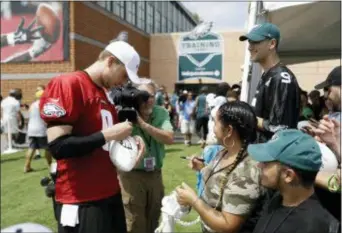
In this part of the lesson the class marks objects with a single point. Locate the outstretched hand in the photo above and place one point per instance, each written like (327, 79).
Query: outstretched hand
(27, 35)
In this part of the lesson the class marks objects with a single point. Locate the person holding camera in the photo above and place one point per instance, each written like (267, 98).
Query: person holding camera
(142, 188)
(80, 124)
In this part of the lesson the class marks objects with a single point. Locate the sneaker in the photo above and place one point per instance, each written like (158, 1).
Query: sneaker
(28, 170)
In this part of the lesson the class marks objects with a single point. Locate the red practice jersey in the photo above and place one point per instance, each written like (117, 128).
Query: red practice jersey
(73, 99)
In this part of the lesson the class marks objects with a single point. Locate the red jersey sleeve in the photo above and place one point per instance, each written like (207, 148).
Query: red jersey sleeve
(62, 101)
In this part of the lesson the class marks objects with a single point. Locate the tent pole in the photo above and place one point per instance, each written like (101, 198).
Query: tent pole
(247, 64)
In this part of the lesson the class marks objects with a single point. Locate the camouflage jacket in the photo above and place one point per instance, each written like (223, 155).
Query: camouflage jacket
(241, 192)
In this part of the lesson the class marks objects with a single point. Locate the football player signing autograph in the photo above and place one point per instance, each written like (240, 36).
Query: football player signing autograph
(81, 121)
(277, 98)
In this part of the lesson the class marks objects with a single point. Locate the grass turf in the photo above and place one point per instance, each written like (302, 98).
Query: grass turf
(24, 200)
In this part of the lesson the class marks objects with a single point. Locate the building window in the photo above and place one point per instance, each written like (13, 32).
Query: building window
(149, 20)
(157, 21)
(174, 17)
(180, 21)
(105, 5)
(130, 12)
(185, 22)
(101, 4)
(169, 26)
(164, 8)
(158, 6)
(170, 8)
(141, 15)
(164, 24)
(118, 8)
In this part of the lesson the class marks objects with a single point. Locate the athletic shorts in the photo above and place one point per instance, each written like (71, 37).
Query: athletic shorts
(187, 127)
(102, 216)
(38, 142)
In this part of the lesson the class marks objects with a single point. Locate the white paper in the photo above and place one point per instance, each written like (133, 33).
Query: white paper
(69, 215)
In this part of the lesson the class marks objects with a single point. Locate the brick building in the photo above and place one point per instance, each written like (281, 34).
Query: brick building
(91, 25)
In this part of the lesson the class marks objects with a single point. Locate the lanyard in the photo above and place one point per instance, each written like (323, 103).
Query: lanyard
(148, 142)
(213, 172)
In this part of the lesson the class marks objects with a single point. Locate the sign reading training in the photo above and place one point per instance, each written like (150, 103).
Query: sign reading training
(200, 54)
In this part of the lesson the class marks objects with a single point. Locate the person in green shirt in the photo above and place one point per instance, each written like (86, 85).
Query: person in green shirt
(142, 188)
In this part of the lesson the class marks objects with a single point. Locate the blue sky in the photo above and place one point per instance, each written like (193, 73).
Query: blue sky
(225, 15)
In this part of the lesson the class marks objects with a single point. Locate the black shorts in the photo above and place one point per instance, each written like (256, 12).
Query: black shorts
(102, 216)
(38, 142)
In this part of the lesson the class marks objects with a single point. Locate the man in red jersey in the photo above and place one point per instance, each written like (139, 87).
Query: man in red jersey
(81, 121)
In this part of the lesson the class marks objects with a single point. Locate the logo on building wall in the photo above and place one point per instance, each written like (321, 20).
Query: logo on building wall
(200, 54)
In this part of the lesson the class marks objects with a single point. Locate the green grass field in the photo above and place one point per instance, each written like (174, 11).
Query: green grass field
(24, 200)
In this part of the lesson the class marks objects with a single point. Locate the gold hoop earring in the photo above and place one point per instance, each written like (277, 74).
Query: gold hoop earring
(229, 146)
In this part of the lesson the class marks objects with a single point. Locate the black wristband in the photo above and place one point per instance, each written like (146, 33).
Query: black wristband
(69, 146)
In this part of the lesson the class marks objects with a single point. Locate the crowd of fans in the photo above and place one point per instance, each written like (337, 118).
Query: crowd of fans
(269, 166)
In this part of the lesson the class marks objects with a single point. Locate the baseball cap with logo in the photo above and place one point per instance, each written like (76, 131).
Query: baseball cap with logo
(290, 147)
(129, 57)
(262, 32)
(333, 79)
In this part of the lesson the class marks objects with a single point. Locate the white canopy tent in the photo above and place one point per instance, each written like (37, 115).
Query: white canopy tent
(310, 31)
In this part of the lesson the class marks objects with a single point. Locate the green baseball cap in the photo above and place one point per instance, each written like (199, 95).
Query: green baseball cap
(290, 147)
(262, 32)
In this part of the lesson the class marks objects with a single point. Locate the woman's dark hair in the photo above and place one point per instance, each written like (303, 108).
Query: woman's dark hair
(305, 93)
(314, 95)
(242, 118)
(222, 89)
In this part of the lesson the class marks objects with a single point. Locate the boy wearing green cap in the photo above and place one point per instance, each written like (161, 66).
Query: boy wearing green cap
(277, 97)
(289, 163)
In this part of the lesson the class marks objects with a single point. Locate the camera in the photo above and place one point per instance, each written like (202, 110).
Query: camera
(49, 182)
(127, 100)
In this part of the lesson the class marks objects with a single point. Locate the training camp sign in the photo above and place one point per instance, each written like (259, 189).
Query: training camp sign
(200, 54)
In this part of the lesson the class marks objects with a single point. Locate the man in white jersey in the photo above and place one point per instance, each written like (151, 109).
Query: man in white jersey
(10, 114)
(36, 131)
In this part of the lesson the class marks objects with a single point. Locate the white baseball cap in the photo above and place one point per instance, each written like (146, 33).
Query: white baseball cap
(129, 57)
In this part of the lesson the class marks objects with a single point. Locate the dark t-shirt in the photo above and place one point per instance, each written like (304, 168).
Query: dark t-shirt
(330, 201)
(308, 217)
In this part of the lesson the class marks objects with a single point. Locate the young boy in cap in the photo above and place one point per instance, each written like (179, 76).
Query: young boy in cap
(289, 164)
(277, 97)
